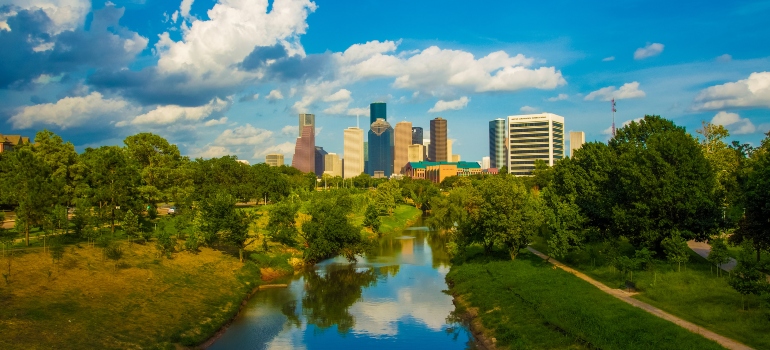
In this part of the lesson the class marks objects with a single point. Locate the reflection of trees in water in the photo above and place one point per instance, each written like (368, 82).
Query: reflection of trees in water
(328, 297)
(437, 244)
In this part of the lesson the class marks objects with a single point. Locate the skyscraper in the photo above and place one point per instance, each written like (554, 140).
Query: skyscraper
(416, 153)
(274, 159)
(576, 140)
(332, 164)
(497, 154)
(354, 152)
(416, 135)
(403, 139)
(449, 154)
(320, 159)
(377, 110)
(381, 148)
(437, 149)
(485, 163)
(304, 150)
(532, 137)
(366, 157)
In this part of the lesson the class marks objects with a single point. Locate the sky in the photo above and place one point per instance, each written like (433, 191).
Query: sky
(228, 77)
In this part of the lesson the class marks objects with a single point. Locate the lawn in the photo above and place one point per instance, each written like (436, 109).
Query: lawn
(527, 303)
(695, 294)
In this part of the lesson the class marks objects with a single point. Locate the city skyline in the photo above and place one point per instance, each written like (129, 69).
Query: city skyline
(99, 71)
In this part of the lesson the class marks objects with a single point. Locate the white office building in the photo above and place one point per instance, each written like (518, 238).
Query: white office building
(532, 137)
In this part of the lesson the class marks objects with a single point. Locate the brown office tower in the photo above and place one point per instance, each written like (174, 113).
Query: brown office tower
(403, 140)
(304, 151)
(437, 148)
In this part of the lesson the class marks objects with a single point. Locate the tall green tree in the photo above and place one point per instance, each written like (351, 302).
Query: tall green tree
(113, 180)
(329, 232)
(753, 226)
(158, 163)
(62, 159)
(282, 224)
(26, 184)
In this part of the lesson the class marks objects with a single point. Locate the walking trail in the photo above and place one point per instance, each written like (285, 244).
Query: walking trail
(625, 296)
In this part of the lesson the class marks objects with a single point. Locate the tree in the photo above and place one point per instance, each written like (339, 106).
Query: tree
(660, 184)
(724, 161)
(566, 224)
(719, 254)
(542, 175)
(114, 252)
(753, 226)
(329, 232)
(747, 278)
(221, 221)
(676, 249)
(26, 183)
(62, 159)
(282, 225)
(372, 219)
(113, 181)
(158, 162)
(387, 195)
(131, 224)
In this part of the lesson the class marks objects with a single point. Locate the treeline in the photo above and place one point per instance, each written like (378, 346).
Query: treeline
(653, 185)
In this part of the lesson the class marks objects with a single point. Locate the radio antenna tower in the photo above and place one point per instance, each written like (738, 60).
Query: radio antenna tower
(613, 117)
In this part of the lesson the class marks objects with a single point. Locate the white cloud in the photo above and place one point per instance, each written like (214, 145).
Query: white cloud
(246, 135)
(442, 105)
(751, 92)
(64, 14)
(734, 123)
(528, 109)
(650, 50)
(71, 111)
(362, 111)
(608, 130)
(337, 108)
(724, 58)
(213, 152)
(164, 115)
(435, 69)
(213, 122)
(184, 9)
(286, 148)
(628, 90)
(274, 95)
(210, 50)
(608, 59)
(560, 97)
(292, 130)
(341, 95)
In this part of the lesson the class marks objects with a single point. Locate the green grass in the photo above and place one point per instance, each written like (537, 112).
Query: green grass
(402, 216)
(527, 304)
(695, 294)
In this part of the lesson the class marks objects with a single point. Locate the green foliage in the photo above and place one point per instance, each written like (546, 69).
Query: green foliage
(372, 218)
(164, 244)
(676, 249)
(565, 223)
(387, 195)
(56, 248)
(755, 184)
(719, 254)
(747, 278)
(329, 232)
(282, 225)
(131, 224)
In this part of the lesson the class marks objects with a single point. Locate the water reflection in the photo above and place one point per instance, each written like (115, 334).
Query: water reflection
(392, 298)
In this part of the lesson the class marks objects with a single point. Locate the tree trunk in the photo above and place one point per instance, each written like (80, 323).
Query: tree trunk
(759, 251)
(26, 231)
(240, 253)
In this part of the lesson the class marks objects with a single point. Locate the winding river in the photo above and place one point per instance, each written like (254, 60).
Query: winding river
(392, 299)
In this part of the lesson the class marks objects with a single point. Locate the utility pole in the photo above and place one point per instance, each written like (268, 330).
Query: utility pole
(613, 117)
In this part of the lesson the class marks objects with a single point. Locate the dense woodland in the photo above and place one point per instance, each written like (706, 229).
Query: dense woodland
(653, 186)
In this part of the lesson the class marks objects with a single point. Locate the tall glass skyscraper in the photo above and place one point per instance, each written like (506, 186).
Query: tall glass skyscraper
(497, 154)
(304, 151)
(377, 110)
(416, 135)
(381, 148)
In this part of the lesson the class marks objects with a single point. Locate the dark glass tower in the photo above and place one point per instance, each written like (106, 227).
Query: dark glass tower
(377, 110)
(320, 154)
(497, 154)
(416, 135)
(381, 148)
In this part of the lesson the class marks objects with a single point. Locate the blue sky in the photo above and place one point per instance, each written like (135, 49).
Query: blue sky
(229, 76)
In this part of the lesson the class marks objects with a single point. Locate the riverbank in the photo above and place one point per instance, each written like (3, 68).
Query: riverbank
(527, 304)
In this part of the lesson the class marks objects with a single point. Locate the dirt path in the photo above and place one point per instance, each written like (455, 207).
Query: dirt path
(625, 296)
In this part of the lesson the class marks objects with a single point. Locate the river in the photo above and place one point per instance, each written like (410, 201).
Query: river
(392, 299)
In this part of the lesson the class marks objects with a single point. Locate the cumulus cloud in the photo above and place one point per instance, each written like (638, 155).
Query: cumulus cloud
(650, 50)
(608, 59)
(608, 130)
(359, 111)
(213, 122)
(341, 95)
(435, 69)
(628, 90)
(243, 135)
(442, 105)
(292, 130)
(560, 97)
(168, 114)
(249, 97)
(71, 111)
(734, 123)
(274, 95)
(286, 148)
(63, 14)
(751, 92)
(184, 9)
(528, 109)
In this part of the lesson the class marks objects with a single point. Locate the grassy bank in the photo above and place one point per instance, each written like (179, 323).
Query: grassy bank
(527, 303)
(403, 216)
(85, 302)
(695, 294)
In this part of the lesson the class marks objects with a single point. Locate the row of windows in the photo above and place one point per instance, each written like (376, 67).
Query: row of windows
(520, 125)
(534, 146)
(529, 129)
(533, 151)
(518, 136)
(520, 141)
(532, 157)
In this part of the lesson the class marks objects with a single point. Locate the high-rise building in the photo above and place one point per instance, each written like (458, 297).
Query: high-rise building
(320, 159)
(576, 140)
(449, 144)
(426, 144)
(332, 164)
(416, 153)
(497, 153)
(437, 148)
(532, 137)
(366, 157)
(377, 110)
(381, 148)
(274, 159)
(304, 151)
(402, 140)
(455, 158)
(417, 135)
(485, 163)
(354, 152)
